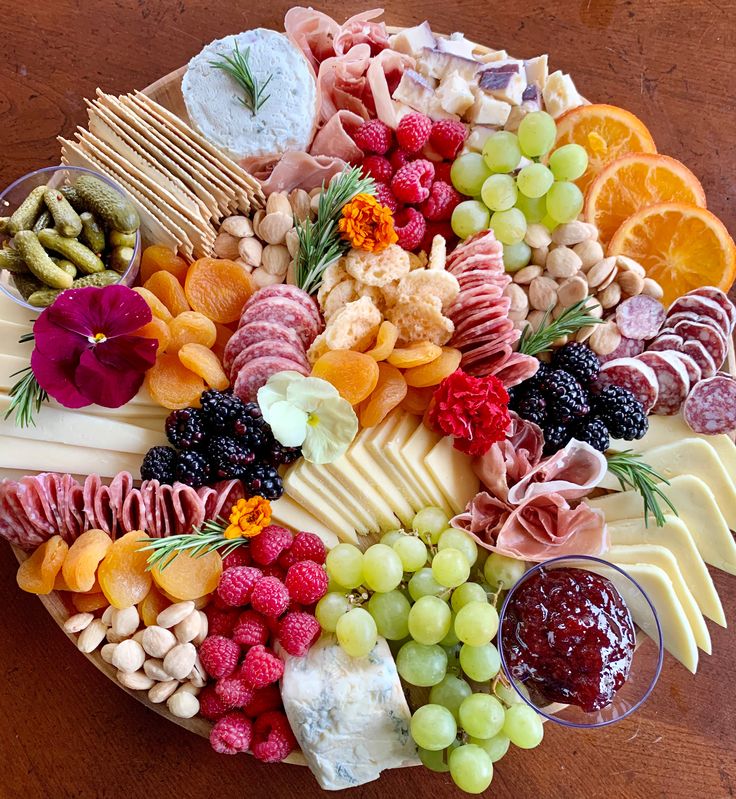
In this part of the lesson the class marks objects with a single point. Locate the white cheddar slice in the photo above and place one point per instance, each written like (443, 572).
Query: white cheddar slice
(287, 513)
(377, 445)
(399, 436)
(333, 496)
(9, 364)
(12, 312)
(675, 536)
(453, 473)
(416, 449)
(12, 346)
(363, 492)
(295, 487)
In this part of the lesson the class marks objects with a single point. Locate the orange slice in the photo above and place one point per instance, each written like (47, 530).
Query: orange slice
(681, 246)
(637, 181)
(607, 132)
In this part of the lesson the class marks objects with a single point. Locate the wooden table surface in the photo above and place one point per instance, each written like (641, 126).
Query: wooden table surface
(68, 732)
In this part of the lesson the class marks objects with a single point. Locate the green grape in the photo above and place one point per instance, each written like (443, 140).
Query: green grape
(537, 133)
(433, 727)
(499, 192)
(382, 569)
(356, 632)
(468, 173)
(467, 592)
(534, 180)
(429, 524)
(450, 693)
(469, 218)
(451, 640)
(329, 609)
(470, 768)
(411, 551)
(436, 761)
(564, 201)
(481, 715)
(533, 208)
(503, 572)
(523, 726)
(509, 226)
(345, 565)
(568, 162)
(390, 611)
(476, 623)
(429, 620)
(423, 584)
(548, 222)
(495, 747)
(460, 540)
(516, 256)
(421, 665)
(334, 587)
(391, 537)
(501, 152)
(450, 568)
(480, 663)
(508, 695)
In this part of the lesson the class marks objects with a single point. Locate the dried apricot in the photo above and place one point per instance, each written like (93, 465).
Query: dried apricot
(417, 400)
(385, 342)
(172, 385)
(89, 602)
(151, 605)
(158, 258)
(224, 334)
(417, 354)
(353, 374)
(206, 364)
(218, 288)
(37, 574)
(191, 327)
(122, 573)
(158, 309)
(83, 558)
(200, 602)
(169, 290)
(157, 329)
(185, 577)
(388, 393)
(60, 583)
(435, 372)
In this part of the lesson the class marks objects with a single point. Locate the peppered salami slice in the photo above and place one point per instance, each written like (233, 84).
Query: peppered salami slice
(627, 348)
(710, 408)
(702, 357)
(634, 375)
(290, 292)
(265, 348)
(673, 382)
(284, 311)
(255, 374)
(718, 296)
(688, 316)
(640, 317)
(711, 338)
(253, 333)
(694, 372)
(666, 341)
(702, 308)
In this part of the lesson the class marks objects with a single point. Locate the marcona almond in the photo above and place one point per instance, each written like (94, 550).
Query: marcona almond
(274, 227)
(535, 319)
(613, 274)
(248, 267)
(517, 295)
(291, 274)
(106, 617)
(630, 282)
(125, 621)
(539, 255)
(605, 338)
(183, 705)
(573, 290)
(278, 203)
(275, 259)
(651, 288)
(623, 262)
(574, 232)
(162, 691)
(157, 641)
(198, 676)
(171, 616)
(114, 638)
(589, 252)
(136, 681)
(226, 246)
(542, 293)
(128, 656)
(562, 262)
(525, 275)
(263, 278)
(139, 636)
(154, 668)
(91, 636)
(585, 333)
(300, 204)
(258, 217)
(610, 296)
(179, 660)
(238, 226)
(601, 271)
(187, 629)
(106, 652)
(594, 309)
(537, 236)
(190, 688)
(251, 251)
(77, 622)
(203, 628)
(292, 242)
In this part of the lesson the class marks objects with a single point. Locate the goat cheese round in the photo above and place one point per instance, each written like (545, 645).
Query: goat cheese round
(285, 121)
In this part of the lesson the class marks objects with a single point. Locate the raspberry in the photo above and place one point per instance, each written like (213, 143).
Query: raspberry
(297, 632)
(236, 585)
(234, 692)
(399, 158)
(447, 137)
(269, 544)
(270, 597)
(275, 570)
(374, 136)
(378, 167)
(440, 204)
(219, 656)
(442, 171)
(306, 546)
(231, 734)
(261, 667)
(413, 132)
(306, 582)
(251, 629)
(238, 557)
(412, 182)
(264, 699)
(410, 227)
(273, 739)
(221, 622)
(210, 704)
(385, 196)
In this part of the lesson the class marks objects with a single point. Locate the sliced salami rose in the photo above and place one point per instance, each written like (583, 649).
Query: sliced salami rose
(718, 296)
(700, 307)
(702, 357)
(712, 339)
(627, 348)
(673, 382)
(710, 408)
(666, 341)
(693, 370)
(255, 373)
(634, 375)
(264, 348)
(640, 317)
(253, 333)
(283, 311)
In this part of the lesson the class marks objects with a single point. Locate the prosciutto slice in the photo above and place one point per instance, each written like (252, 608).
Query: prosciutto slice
(313, 32)
(297, 170)
(335, 139)
(384, 74)
(360, 30)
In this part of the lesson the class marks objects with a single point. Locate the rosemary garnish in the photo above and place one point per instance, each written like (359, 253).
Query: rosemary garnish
(26, 396)
(238, 67)
(568, 322)
(634, 473)
(210, 537)
(320, 242)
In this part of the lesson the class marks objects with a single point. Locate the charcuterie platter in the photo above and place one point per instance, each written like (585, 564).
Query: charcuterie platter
(368, 399)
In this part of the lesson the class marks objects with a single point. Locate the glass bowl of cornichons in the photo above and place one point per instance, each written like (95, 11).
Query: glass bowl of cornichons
(65, 227)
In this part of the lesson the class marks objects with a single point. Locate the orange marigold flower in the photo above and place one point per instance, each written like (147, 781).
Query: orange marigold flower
(248, 517)
(367, 224)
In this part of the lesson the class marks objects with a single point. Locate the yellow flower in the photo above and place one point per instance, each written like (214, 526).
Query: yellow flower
(248, 517)
(367, 224)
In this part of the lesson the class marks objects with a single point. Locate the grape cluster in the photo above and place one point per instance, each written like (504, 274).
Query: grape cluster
(422, 597)
(515, 188)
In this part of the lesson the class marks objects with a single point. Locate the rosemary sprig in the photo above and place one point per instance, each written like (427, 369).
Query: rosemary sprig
(320, 242)
(634, 473)
(237, 66)
(26, 396)
(567, 323)
(210, 537)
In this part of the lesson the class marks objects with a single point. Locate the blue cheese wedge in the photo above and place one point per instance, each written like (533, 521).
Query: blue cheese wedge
(286, 121)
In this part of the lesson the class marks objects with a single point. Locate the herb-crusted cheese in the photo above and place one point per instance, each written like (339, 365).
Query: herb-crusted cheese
(286, 121)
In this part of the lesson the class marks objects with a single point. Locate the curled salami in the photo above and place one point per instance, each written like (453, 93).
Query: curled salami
(712, 339)
(673, 382)
(255, 373)
(666, 341)
(634, 375)
(640, 317)
(719, 297)
(697, 307)
(627, 348)
(254, 333)
(710, 408)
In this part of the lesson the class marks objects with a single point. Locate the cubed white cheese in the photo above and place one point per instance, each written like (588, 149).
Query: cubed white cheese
(416, 90)
(536, 70)
(437, 64)
(477, 137)
(505, 80)
(413, 40)
(560, 94)
(487, 110)
(457, 44)
(493, 55)
(454, 94)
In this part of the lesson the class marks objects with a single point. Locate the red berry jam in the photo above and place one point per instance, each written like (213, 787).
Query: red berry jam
(568, 634)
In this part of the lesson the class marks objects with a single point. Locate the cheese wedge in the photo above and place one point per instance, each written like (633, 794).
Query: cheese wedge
(697, 508)
(453, 473)
(398, 438)
(377, 443)
(315, 504)
(416, 449)
(287, 513)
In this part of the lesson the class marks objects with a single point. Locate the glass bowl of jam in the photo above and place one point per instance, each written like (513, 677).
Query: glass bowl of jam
(580, 641)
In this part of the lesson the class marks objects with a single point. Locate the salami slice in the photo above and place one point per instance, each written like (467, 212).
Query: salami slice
(713, 340)
(290, 292)
(627, 348)
(286, 312)
(517, 368)
(710, 408)
(666, 341)
(640, 317)
(673, 382)
(634, 375)
(702, 357)
(265, 348)
(718, 296)
(693, 370)
(688, 316)
(255, 373)
(701, 307)
(254, 332)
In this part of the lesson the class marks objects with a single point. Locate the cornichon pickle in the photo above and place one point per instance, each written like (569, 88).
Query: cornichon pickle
(29, 246)
(92, 233)
(73, 198)
(118, 239)
(117, 211)
(44, 297)
(4, 224)
(44, 220)
(27, 212)
(82, 257)
(12, 260)
(120, 258)
(67, 266)
(27, 285)
(66, 219)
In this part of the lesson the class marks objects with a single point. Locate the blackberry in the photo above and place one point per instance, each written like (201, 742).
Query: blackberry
(532, 406)
(622, 412)
(566, 398)
(263, 480)
(250, 430)
(542, 371)
(220, 409)
(228, 457)
(555, 437)
(579, 360)
(192, 468)
(186, 428)
(159, 464)
(280, 454)
(593, 431)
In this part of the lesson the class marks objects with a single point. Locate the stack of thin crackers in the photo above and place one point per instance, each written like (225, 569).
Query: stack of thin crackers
(180, 183)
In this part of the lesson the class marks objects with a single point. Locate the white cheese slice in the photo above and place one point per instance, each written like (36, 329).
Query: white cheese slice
(419, 445)
(377, 445)
(287, 513)
(12, 312)
(12, 346)
(453, 473)
(9, 364)
(560, 94)
(315, 504)
(399, 436)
